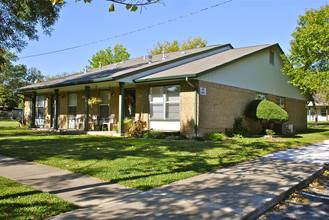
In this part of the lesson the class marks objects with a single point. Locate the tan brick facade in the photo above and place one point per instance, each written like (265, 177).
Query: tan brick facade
(215, 111)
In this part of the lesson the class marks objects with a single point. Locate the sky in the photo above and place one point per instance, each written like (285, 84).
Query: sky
(241, 23)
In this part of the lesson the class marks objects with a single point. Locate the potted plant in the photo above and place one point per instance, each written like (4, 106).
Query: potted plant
(94, 101)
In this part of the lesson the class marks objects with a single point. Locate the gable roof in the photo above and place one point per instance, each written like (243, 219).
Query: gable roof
(190, 63)
(202, 66)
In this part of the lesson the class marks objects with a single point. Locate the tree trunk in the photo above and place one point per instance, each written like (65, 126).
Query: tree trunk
(316, 113)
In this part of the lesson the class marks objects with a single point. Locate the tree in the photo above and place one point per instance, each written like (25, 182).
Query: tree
(266, 112)
(20, 20)
(307, 63)
(13, 77)
(118, 54)
(131, 5)
(167, 46)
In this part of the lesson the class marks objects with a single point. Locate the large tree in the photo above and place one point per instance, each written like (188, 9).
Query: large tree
(118, 54)
(175, 45)
(131, 5)
(307, 63)
(15, 76)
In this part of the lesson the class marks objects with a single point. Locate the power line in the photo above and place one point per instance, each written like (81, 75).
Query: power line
(128, 33)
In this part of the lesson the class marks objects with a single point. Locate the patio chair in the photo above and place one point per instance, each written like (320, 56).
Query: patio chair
(79, 121)
(93, 122)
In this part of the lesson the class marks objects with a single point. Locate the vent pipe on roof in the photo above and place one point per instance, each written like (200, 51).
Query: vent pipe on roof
(150, 59)
(115, 65)
(164, 55)
(85, 69)
(100, 65)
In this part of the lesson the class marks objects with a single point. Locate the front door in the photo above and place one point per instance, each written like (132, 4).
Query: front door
(130, 104)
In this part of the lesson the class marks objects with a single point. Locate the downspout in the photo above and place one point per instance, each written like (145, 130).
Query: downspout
(195, 108)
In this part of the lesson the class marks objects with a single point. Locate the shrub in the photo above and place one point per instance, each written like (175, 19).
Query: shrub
(214, 136)
(266, 112)
(270, 132)
(239, 129)
(136, 129)
(155, 135)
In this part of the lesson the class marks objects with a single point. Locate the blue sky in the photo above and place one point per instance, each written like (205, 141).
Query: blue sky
(239, 22)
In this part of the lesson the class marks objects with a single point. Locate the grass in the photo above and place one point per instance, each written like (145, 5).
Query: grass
(10, 127)
(18, 201)
(146, 163)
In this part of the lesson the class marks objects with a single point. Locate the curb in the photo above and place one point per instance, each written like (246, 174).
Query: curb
(270, 204)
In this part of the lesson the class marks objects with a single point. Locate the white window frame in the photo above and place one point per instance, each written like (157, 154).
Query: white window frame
(164, 103)
(281, 101)
(261, 96)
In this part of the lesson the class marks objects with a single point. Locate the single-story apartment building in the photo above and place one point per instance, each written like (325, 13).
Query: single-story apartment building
(321, 111)
(194, 92)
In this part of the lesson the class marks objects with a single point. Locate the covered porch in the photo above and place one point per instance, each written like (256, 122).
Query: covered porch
(98, 107)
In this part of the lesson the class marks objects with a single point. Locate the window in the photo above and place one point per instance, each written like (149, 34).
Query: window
(261, 96)
(281, 102)
(72, 105)
(104, 106)
(164, 102)
(323, 112)
(272, 57)
(40, 107)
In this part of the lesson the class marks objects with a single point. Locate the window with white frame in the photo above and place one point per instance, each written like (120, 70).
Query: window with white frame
(164, 102)
(40, 107)
(73, 101)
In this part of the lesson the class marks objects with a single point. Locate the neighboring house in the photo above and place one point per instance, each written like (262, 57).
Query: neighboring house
(321, 110)
(194, 91)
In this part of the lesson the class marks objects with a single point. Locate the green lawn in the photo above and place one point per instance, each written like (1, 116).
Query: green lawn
(146, 163)
(10, 127)
(18, 201)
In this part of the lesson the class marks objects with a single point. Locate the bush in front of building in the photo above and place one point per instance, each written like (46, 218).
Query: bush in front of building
(213, 136)
(266, 112)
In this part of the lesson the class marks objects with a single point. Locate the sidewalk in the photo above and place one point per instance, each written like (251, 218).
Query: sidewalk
(239, 192)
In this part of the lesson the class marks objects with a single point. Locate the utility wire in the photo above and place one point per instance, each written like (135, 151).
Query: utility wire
(127, 33)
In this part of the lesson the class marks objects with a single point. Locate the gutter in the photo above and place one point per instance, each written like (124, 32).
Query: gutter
(68, 84)
(165, 78)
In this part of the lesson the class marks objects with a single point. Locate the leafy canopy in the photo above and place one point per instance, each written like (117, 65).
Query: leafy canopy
(307, 64)
(20, 21)
(15, 76)
(167, 46)
(131, 5)
(265, 110)
(118, 54)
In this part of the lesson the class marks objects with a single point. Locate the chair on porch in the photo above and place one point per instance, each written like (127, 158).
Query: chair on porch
(93, 122)
(79, 121)
(108, 123)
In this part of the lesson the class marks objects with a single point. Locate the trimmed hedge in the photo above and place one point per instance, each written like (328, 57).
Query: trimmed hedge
(266, 110)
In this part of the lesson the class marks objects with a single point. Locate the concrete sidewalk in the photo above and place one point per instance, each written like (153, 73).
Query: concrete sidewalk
(239, 192)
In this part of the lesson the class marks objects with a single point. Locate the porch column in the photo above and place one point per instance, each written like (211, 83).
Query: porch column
(56, 109)
(23, 118)
(121, 106)
(33, 100)
(86, 116)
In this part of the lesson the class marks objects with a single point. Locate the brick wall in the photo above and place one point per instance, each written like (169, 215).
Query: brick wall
(297, 112)
(63, 110)
(187, 107)
(27, 110)
(223, 104)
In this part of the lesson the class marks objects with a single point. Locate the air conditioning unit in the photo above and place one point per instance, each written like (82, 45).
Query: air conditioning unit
(290, 128)
(280, 128)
